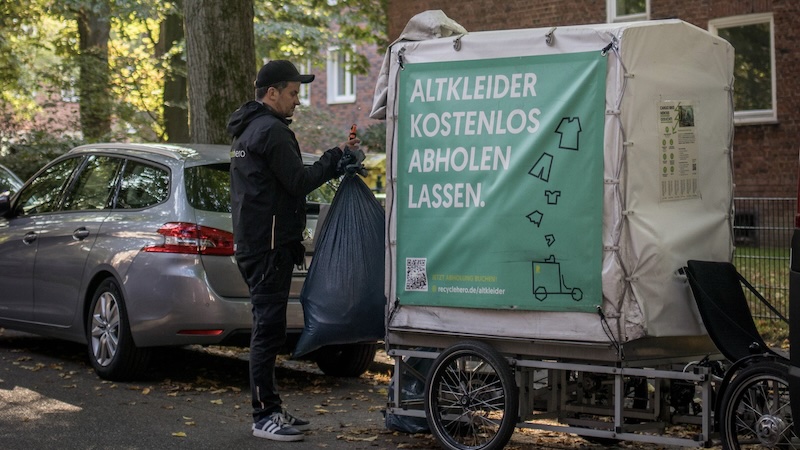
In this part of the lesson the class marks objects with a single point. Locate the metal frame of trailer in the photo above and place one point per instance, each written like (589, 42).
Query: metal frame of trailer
(547, 402)
(728, 385)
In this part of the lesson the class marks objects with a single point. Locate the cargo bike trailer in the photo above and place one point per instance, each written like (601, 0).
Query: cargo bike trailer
(559, 237)
(477, 391)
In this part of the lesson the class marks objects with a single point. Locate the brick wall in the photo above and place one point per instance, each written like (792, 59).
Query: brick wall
(345, 114)
(765, 156)
(482, 15)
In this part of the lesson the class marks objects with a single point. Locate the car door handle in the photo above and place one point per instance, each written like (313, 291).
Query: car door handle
(29, 237)
(80, 234)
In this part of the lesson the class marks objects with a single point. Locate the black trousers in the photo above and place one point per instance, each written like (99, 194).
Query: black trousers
(269, 280)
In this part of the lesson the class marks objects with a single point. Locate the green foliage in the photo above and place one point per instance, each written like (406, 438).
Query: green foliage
(24, 61)
(305, 29)
(39, 56)
(31, 152)
(373, 138)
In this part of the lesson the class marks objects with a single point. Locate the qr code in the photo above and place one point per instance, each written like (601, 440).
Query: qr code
(416, 274)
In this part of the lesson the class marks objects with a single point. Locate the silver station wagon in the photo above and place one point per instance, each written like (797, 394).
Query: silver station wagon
(129, 247)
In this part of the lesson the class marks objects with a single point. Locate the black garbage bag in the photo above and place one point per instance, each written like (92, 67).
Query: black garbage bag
(412, 375)
(343, 298)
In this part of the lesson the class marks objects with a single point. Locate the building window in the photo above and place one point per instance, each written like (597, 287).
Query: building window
(627, 10)
(341, 81)
(305, 88)
(752, 37)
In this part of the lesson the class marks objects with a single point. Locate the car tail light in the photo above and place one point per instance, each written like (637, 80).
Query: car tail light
(190, 238)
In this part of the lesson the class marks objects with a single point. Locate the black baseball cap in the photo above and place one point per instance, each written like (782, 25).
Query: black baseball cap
(279, 70)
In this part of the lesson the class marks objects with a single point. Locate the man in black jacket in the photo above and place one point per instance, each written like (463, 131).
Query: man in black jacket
(268, 187)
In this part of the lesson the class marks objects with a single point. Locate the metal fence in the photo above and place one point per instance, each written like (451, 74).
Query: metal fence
(762, 230)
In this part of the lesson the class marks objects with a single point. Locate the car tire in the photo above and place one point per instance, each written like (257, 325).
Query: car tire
(349, 360)
(112, 352)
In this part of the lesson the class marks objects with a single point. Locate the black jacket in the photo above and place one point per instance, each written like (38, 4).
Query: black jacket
(269, 182)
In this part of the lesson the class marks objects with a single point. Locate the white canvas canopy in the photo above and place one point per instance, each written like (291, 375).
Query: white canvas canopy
(653, 219)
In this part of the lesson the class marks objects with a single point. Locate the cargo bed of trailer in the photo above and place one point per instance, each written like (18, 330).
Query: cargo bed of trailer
(545, 190)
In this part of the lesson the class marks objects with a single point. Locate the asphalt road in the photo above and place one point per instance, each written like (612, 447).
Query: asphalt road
(193, 398)
(197, 398)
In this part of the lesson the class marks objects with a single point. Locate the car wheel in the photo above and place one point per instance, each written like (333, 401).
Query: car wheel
(350, 360)
(112, 352)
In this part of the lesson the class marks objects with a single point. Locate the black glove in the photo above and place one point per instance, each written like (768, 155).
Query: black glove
(352, 162)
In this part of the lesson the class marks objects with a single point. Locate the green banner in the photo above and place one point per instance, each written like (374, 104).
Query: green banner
(500, 183)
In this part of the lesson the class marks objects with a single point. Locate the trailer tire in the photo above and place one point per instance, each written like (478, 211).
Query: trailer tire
(755, 408)
(471, 398)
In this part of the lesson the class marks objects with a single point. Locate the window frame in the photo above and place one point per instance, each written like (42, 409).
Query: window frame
(758, 116)
(305, 88)
(83, 179)
(21, 206)
(613, 17)
(121, 179)
(334, 96)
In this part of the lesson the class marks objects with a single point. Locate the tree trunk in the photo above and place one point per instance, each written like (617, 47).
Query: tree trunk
(220, 55)
(94, 27)
(176, 108)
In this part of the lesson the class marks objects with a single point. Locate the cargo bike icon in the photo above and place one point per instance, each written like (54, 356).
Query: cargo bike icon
(548, 281)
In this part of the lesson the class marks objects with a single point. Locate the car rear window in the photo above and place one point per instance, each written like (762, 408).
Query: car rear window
(209, 188)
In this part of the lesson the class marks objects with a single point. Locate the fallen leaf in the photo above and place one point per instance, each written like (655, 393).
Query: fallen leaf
(217, 401)
(179, 434)
(351, 438)
(145, 391)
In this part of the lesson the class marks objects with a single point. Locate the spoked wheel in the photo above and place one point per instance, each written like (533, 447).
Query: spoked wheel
(471, 398)
(755, 409)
